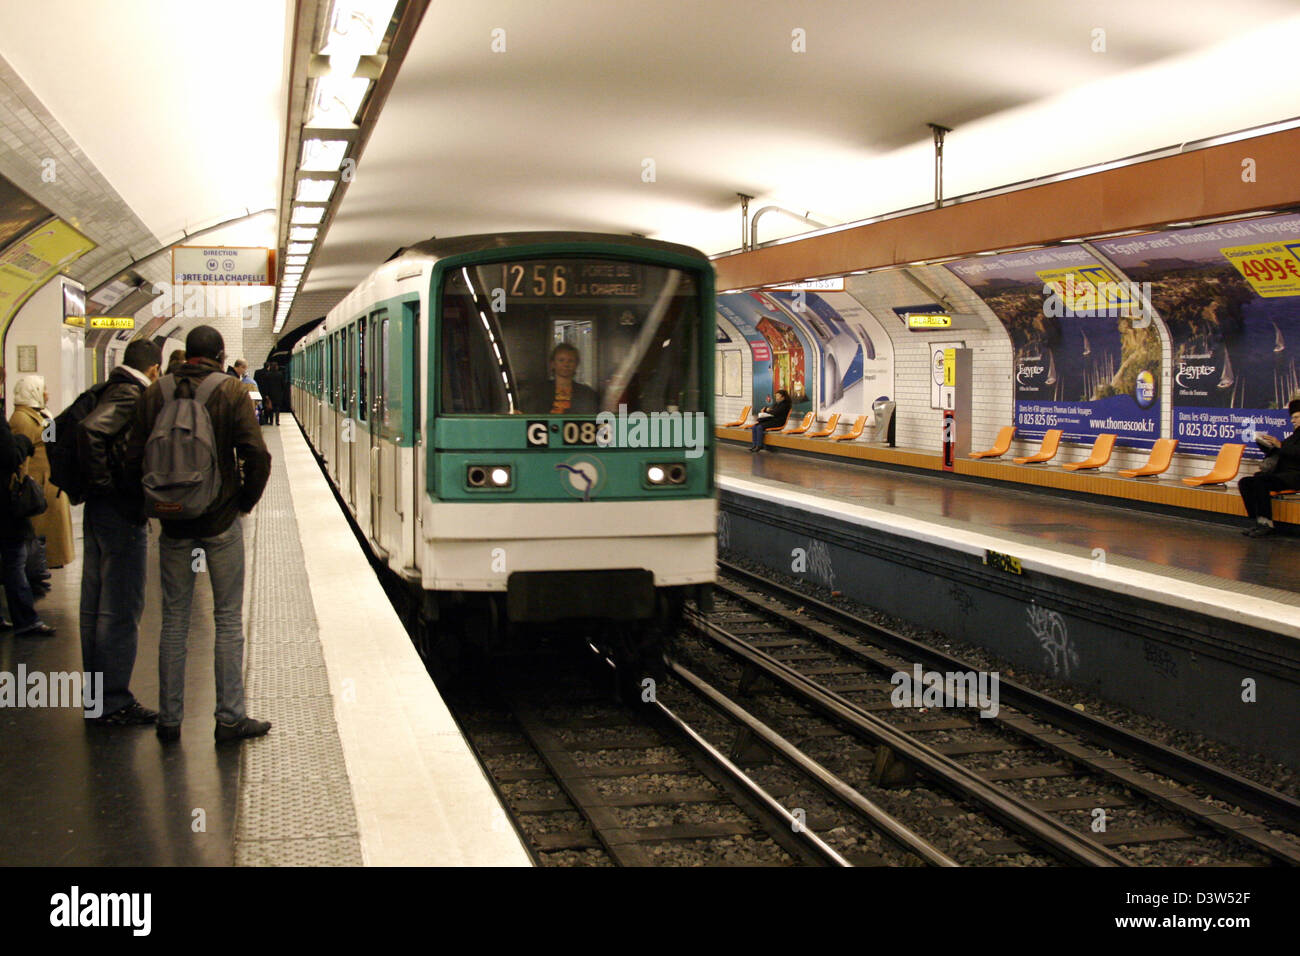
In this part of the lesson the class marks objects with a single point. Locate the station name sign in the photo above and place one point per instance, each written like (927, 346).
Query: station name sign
(811, 285)
(222, 265)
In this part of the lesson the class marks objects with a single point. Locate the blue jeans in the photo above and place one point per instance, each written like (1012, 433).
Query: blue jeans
(112, 597)
(18, 591)
(181, 560)
(759, 431)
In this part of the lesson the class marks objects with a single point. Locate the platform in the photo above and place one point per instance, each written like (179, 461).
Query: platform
(364, 764)
(1168, 615)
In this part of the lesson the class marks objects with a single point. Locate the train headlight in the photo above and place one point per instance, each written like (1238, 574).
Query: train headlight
(661, 474)
(489, 476)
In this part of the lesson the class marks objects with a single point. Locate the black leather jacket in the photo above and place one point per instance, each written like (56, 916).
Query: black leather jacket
(101, 445)
(11, 528)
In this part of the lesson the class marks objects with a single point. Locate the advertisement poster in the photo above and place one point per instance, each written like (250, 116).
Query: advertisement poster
(1085, 360)
(1230, 295)
(29, 263)
(857, 356)
(780, 352)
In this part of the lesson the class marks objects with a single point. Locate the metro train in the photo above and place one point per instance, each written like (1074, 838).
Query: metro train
(505, 495)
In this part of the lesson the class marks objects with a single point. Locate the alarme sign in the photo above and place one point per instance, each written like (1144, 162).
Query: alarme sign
(222, 265)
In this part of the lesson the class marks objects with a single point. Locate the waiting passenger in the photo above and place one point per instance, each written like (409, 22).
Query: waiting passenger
(771, 416)
(1281, 476)
(54, 525)
(14, 532)
(567, 395)
(115, 538)
(216, 537)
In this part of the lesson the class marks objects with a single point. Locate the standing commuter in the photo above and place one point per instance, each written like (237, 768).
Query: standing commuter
(213, 541)
(14, 531)
(31, 418)
(773, 415)
(115, 538)
(275, 390)
(1285, 475)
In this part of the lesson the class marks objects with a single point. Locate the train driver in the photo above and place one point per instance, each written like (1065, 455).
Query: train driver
(567, 395)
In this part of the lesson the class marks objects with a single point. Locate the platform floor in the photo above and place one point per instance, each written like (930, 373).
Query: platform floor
(363, 765)
(1184, 548)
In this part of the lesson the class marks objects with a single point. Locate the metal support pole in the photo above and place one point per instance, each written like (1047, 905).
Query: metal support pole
(939, 132)
(744, 221)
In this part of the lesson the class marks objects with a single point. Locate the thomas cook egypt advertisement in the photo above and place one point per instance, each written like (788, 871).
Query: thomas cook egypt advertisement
(1086, 359)
(1230, 296)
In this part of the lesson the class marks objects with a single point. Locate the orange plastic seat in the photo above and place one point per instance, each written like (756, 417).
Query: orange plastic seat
(832, 424)
(859, 423)
(1000, 446)
(1162, 453)
(1225, 467)
(744, 416)
(1046, 451)
(801, 428)
(1101, 449)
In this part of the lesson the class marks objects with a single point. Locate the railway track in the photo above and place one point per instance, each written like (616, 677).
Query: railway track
(591, 782)
(1076, 787)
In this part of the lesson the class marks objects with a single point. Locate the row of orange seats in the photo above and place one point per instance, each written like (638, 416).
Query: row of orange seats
(1225, 467)
(801, 427)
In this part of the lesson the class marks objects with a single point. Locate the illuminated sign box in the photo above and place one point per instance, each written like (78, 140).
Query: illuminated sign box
(929, 320)
(112, 322)
(222, 265)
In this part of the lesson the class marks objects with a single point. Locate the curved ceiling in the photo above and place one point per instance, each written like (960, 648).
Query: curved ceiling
(554, 131)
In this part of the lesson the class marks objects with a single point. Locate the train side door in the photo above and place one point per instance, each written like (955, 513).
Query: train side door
(376, 339)
(350, 364)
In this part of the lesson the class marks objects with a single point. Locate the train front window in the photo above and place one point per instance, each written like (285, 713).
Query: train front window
(570, 336)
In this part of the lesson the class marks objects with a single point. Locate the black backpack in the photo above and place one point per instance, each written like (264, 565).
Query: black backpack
(65, 465)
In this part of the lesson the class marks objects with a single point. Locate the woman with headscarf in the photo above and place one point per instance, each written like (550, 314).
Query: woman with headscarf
(31, 419)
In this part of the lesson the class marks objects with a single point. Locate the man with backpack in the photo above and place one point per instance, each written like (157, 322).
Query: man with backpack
(194, 433)
(114, 531)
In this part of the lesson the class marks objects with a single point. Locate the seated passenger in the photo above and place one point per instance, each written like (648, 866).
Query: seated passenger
(566, 395)
(771, 416)
(1282, 476)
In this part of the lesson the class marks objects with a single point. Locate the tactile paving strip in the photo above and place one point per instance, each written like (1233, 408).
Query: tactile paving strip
(295, 802)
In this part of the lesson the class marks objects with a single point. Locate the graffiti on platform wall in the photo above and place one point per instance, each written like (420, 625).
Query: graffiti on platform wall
(724, 530)
(1049, 629)
(819, 563)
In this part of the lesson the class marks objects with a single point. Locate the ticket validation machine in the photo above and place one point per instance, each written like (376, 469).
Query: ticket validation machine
(953, 375)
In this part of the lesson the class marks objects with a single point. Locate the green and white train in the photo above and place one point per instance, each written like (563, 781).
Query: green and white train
(437, 395)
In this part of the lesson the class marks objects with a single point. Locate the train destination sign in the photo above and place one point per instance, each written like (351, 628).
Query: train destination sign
(568, 279)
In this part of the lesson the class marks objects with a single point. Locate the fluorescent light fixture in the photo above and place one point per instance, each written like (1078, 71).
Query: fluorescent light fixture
(336, 100)
(290, 281)
(295, 260)
(294, 271)
(314, 190)
(322, 155)
(303, 233)
(312, 215)
(357, 26)
(1249, 133)
(299, 248)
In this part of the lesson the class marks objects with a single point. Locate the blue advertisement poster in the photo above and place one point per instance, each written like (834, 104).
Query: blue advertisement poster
(1230, 296)
(1085, 359)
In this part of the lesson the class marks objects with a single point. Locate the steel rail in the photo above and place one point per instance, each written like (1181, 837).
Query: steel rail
(880, 820)
(1220, 782)
(1011, 812)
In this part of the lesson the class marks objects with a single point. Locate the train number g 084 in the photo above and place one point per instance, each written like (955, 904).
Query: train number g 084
(571, 432)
